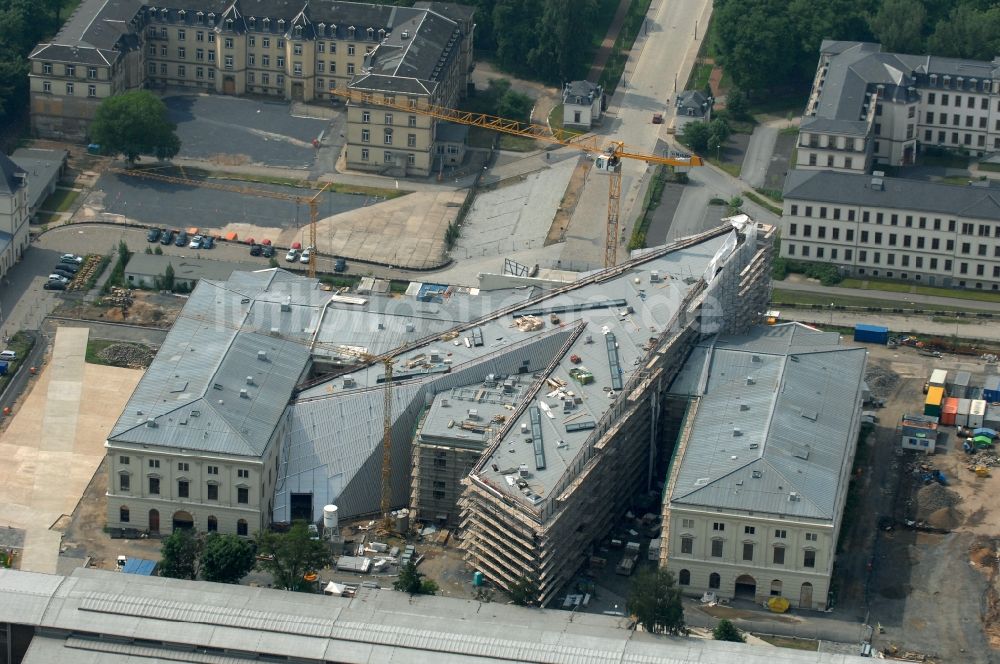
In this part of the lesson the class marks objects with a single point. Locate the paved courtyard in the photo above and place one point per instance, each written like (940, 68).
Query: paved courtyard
(234, 130)
(54, 443)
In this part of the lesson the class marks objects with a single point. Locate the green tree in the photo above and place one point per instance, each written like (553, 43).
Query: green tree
(179, 555)
(167, 281)
(736, 104)
(524, 591)
(133, 124)
(899, 25)
(695, 135)
(226, 558)
(413, 582)
(655, 601)
(559, 40)
(727, 631)
(514, 29)
(967, 32)
(289, 556)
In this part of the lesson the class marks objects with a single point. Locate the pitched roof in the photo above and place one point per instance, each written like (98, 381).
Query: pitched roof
(9, 171)
(692, 102)
(580, 92)
(97, 32)
(976, 202)
(775, 425)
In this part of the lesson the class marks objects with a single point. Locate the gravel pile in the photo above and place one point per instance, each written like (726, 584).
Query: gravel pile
(881, 381)
(934, 497)
(127, 355)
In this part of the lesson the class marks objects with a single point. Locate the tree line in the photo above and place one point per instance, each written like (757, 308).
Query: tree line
(770, 44)
(23, 23)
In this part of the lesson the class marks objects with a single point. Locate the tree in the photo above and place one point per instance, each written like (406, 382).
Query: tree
(967, 32)
(226, 558)
(413, 582)
(899, 25)
(289, 556)
(656, 602)
(695, 135)
(133, 124)
(179, 555)
(524, 592)
(167, 281)
(727, 631)
(736, 103)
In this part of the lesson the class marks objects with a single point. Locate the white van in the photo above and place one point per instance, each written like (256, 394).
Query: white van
(8, 355)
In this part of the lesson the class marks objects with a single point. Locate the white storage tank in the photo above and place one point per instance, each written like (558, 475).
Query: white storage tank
(330, 519)
(402, 520)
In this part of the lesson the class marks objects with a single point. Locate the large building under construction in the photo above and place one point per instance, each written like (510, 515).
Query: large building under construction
(257, 410)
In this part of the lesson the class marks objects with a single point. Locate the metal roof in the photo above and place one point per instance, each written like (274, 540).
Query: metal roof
(776, 423)
(99, 616)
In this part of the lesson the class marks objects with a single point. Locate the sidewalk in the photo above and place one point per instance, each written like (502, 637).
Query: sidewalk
(903, 300)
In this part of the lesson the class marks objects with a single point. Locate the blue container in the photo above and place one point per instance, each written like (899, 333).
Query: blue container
(871, 334)
(4, 368)
(477, 579)
(991, 389)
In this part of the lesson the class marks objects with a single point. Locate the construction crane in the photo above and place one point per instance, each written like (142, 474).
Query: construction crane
(312, 201)
(610, 153)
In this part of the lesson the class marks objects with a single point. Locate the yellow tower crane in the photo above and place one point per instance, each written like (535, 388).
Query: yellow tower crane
(610, 153)
(311, 200)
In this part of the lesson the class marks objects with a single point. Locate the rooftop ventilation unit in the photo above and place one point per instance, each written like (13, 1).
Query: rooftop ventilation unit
(287, 304)
(244, 394)
(744, 407)
(410, 327)
(195, 413)
(737, 432)
(750, 380)
(522, 470)
(754, 446)
(249, 380)
(793, 497)
(755, 358)
(349, 382)
(405, 34)
(473, 414)
(151, 423)
(756, 474)
(262, 355)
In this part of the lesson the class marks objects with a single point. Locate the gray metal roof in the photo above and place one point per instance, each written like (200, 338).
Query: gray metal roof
(97, 32)
(777, 416)
(42, 167)
(99, 616)
(581, 92)
(692, 103)
(897, 193)
(153, 265)
(9, 180)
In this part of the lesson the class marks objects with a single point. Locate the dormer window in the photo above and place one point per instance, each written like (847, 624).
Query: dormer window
(229, 24)
(163, 14)
(350, 32)
(211, 18)
(281, 24)
(381, 34)
(253, 23)
(182, 13)
(298, 31)
(371, 33)
(201, 17)
(267, 23)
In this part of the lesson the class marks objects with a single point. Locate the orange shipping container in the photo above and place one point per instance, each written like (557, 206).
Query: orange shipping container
(948, 411)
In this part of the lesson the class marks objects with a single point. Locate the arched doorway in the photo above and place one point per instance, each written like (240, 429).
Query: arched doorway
(806, 596)
(714, 580)
(241, 528)
(183, 520)
(684, 578)
(213, 524)
(746, 587)
(776, 588)
(154, 521)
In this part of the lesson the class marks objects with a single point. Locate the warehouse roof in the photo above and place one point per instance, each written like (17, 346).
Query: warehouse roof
(898, 193)
(776, 423)
(43, 168)
(185, 267)
(99, 616)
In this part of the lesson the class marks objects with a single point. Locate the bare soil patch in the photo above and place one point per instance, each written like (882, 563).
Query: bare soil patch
(560, 223)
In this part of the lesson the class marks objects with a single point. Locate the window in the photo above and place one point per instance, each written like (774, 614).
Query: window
(211, 58)
(780, 534)
(364, 155)
(265, 60)
(930, 98)
(717, 548)
(242, 473)
(779, 555)
(242, 495)
(265, 42)
(281, 42)
(251, 59)
(182, 488)
(199, 72)
(181, 53)
(69, 89)
(154, 463)
(687, 523)
(809, 559)
(350, 49)
(213, 470)
(794, 210)
(199, 54)
(71, 70)
(411, 121)
(387, 157)
(123, 460)
(387, 136)
(714, 580)
(718, 527)
(211, 72)
(297, 49)
(213, 524)
(297, 68)
(366, 136)
(229, 62)
(181, 71)
(684, 577)
(320, 47)
(411, 140)
(280, 62)
(320, 66)
(747, 550)
(687, 544)
(123, 514)
(46, 67)
(350, 67)
(251, 41)
(199, 36)
(213, 491)
(182, 466)
(154, 486)
(91, 72)
(124, 482)
(163, 68)
(241, 528)
(366, 117)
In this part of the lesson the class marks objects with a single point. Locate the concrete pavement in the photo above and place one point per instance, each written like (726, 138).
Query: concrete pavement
(758, 154)
(902, 300)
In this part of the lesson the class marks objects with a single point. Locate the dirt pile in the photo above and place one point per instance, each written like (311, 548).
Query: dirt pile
(881, 381)
(945, 518)
(934, 499)
(131, 356)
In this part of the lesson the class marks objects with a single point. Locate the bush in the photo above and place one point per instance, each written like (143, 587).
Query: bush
(779, 269)
(826, 274)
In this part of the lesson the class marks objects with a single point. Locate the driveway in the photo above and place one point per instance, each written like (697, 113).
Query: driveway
(758, 156)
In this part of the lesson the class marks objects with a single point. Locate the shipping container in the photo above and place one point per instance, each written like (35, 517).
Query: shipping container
(959, 386)
(962, 416)
(938, 378)
(977, 412)
(992, 417)
(949, 409)
(932, 405)
(871, 334)
(991, 389)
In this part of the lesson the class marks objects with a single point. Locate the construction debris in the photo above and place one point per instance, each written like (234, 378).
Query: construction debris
(131, 356)
(881, 382)
(528, 323)
(933, 497)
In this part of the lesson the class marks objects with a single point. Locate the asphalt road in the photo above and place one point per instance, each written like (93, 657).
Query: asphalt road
(241, 130)
(758, 155)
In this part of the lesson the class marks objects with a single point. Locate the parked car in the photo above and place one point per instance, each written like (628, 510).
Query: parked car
(657, 118)
(153, 235)
(182, 239)
(304, 258)
(267, 251)
(207, 242)
(255, 249)
(340, 265)
(292, 255)
(168, 237)
(54, 285)
(8, 355)
(195, 242)
(72, 268)
(63, 273)
(67, 258)
(59, 278)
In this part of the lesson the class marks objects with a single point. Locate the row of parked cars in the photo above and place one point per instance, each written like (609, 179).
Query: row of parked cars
(64, 272)
(166, 237)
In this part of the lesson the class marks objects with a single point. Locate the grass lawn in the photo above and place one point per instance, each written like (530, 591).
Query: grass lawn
(986, 166)
(517, 143)
(60, 200)
(45, 217)
(95, 346)
(556, 121)
(945, 159)
(761, 201)
(732, 169)
(788, 642)
(699, 77)
(780, 297)
(955, 179)
(907, 287)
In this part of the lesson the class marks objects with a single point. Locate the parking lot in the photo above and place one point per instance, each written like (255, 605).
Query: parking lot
(239, 131)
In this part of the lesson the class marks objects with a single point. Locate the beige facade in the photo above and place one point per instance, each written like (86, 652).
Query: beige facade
(14, 213)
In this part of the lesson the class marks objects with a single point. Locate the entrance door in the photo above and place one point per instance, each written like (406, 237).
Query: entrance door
(297, 92)
(183, 521)
(302, 507)
(229, 85)
(154, 521)
(746, 588)
(806, 596)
